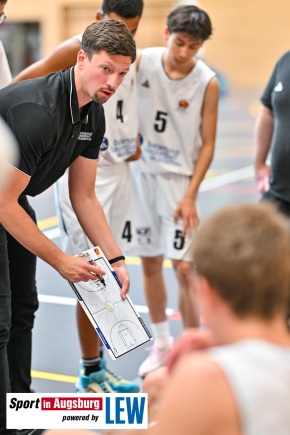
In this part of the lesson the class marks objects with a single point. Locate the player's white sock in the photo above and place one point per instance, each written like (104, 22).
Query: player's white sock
(161, 333)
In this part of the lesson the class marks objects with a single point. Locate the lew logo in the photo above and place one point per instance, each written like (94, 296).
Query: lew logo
(122, 410)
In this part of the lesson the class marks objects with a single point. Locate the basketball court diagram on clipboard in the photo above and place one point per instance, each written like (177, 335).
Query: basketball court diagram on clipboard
(116, 321)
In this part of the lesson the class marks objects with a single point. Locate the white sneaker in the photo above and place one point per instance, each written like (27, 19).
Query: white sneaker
(156, 357)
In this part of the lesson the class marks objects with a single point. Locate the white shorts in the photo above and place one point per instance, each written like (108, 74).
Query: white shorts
(155, 198)
(114, 192)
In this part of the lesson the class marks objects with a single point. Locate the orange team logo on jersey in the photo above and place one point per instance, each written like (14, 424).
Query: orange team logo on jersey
(184, 104)
(97, 251)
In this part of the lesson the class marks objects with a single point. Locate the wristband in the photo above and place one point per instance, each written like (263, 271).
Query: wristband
(114, 260)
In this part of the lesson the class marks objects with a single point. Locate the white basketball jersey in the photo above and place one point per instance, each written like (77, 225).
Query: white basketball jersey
(259, 375)
(5, 73)
(119, 141)
(169, 114)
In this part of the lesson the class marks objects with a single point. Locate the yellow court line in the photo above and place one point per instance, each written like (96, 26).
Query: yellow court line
(212, 172)
(136, 261)
(53, 377)
(45, 224)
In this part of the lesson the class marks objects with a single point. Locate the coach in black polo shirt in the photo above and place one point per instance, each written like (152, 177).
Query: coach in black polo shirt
(59, 122)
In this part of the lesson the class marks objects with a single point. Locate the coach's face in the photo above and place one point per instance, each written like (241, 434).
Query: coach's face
(101, 75)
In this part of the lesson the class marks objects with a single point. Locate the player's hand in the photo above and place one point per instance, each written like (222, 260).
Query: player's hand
(76, 269)
(191, 339)
(123, 276)
(262, 176)
(186, 210)
(137, 153)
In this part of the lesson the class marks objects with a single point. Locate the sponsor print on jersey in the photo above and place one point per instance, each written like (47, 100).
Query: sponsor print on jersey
(118, 150)
(144, 235)
(85, 135)
(161, 154)
(124, 148)
(105, 144)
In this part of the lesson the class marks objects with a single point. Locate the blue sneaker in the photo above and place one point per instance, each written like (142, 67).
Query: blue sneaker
(118, 384)
(93, 383)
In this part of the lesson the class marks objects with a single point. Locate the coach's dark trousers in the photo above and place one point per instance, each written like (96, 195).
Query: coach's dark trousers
(18, 303)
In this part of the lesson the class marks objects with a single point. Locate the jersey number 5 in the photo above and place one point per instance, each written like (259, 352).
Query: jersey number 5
(178, 240)
(160, 125)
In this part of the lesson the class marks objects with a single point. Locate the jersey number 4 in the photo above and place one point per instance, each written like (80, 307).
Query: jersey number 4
(127, 231)
(119, 111)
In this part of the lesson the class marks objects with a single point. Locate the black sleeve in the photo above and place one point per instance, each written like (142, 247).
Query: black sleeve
(266, 98)
(34, 130)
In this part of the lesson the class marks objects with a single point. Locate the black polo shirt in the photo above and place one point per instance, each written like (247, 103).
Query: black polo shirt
(44, 115)
(276, 97)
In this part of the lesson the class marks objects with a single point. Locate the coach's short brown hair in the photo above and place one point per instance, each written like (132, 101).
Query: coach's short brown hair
(111, 36)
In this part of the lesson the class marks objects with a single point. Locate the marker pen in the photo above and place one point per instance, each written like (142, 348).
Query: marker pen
(100, 277)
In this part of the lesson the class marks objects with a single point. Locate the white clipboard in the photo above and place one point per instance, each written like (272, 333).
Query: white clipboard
(116, 321)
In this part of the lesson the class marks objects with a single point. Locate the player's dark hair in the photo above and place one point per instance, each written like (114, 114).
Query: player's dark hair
(111, 36)
(123, 8)
(190, 19)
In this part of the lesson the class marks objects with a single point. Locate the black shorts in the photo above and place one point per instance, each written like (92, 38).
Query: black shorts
(283, 206)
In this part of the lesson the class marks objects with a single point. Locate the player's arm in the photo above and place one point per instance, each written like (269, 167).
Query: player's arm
(137, 153)
(204, 406)
(63, 57)
(263, 133)
(82, 175)
(206, 401)
(186, 208)
(19, 224)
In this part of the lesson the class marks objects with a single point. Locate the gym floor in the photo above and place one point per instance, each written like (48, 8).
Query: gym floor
(230, 180)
